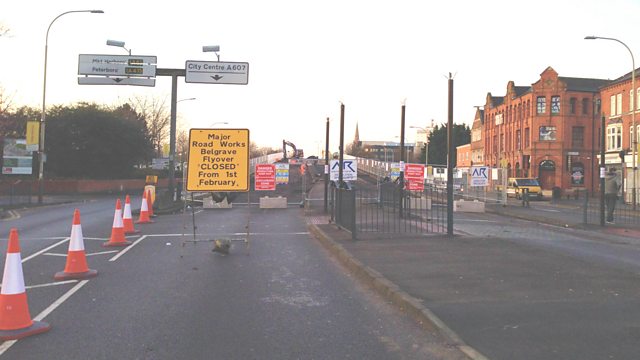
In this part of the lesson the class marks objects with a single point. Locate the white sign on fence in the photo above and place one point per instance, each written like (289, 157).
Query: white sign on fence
(349, 170)
(479, 176)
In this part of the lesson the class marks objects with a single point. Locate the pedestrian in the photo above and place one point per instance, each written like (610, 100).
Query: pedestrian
(611, 188)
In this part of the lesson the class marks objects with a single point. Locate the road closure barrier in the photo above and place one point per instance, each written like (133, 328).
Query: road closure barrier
(127, 220)
(76, 266)
(15, 319)
(117, 230)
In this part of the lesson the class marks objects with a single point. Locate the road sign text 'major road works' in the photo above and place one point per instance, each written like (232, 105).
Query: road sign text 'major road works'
(218, 160)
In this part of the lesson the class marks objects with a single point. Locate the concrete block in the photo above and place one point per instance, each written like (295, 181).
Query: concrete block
(420, 203)
(468, 206)
(273, 203)
(208, 203)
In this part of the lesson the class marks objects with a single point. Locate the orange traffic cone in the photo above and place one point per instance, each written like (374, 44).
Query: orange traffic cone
(150, 203)
(127, 221)
(117, 231)
(76, 267)
(144, 211)
(15, 320)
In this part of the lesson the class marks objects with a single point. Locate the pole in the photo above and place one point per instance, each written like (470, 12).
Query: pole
(43, 115)
(341, 145)
(450, 159)
(326, 169)
(402, 158)
(634, 141)
(172, 134)
(602, 170)
(593, 146)
(340, 173)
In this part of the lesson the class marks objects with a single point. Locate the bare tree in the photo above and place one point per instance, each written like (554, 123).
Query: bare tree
(4, 30)
(158, 118)
(5, 101)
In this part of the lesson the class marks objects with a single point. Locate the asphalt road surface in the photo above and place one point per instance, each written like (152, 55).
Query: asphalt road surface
(279, 296)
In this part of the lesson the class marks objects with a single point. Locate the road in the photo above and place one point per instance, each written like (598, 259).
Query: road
(166, 297)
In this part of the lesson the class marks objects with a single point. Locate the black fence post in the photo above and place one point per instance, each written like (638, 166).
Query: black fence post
(353, 215)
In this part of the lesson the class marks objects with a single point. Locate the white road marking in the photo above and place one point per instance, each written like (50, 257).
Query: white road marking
(51, 284)
(124, 251)
(7, 344)
(86, 254)
(44, 250)
(549, 210)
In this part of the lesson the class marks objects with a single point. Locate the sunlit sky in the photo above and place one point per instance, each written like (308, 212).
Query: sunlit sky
(308, 56)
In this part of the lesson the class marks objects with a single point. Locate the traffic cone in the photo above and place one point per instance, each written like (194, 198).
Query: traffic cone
(117, 231)
(76, 267)
(150, 203)
(15, 320)
(127, 221)
(144, 211)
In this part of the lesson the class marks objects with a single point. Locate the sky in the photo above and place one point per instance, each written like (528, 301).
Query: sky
(307, 57)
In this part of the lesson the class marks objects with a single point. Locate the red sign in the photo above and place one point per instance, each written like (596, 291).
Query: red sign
(265, 177)
(414, 177)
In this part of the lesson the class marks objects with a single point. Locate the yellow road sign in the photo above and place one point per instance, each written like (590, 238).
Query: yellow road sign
(33, 133)
(218, 160)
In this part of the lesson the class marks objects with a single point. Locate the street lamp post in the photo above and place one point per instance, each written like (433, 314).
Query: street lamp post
(634, 135)
(44, 102)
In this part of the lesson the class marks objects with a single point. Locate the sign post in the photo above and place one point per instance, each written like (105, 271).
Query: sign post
(139, 70)
(265, 177)
(349, 170)
(217, 72)
(414, 177)
(218, 160)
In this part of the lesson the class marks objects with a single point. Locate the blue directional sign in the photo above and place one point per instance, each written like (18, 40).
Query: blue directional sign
(349, 170)
(479, 176)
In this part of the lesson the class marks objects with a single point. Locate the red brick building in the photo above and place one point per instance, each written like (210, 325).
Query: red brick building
(617, 107)
(477, 138)
(549, 130)
(463, 162)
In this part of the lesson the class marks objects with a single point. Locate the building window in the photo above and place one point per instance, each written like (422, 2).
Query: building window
(542, 105)
(613, 105)
(572, 105)
(631, 102)
(585, 106)
(547, 133)
(518, 140)
(526, 138)
(577, 137)
(619, 104)
(555, 104)
(614, 137)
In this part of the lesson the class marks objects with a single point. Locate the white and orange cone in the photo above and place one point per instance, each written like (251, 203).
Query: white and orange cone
(117, 230)
(127, 221)
(150, 203)
(15, 320)
(76, 267)
(144, 211)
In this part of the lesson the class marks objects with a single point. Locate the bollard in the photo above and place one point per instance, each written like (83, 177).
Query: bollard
(525, 197)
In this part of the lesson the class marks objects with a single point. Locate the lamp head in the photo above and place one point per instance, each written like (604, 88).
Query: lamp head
(96, 12)
(115, 43)
(211, 48)
(590, 37)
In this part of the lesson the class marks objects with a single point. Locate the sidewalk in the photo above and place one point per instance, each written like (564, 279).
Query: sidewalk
(496, 297)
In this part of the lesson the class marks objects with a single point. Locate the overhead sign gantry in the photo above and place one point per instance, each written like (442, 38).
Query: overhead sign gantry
(137, 70)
